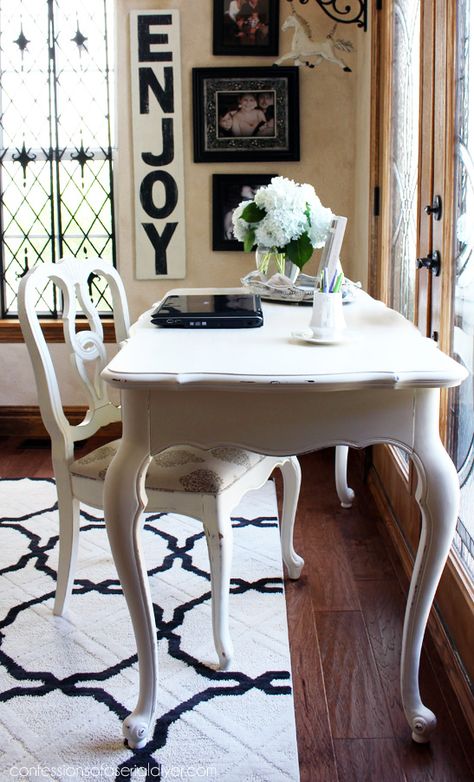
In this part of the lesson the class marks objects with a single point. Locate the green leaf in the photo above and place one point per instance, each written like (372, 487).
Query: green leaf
(253, 213)
(300, 250)
(249, 240)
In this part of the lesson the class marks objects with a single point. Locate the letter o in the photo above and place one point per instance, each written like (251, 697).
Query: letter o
(146, 194)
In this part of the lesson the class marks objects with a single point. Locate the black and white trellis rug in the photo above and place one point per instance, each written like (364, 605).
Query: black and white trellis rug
(66, 683)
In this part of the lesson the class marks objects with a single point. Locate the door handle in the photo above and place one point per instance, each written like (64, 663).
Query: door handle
(432, 262)
(435, 209)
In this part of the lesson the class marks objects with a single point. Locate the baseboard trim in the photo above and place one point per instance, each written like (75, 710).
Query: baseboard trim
(435, 629)
(26, 421)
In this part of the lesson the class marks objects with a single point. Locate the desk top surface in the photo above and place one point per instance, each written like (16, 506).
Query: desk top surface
(378, 348)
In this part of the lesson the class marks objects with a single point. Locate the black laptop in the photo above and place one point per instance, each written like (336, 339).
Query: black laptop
(209, 311)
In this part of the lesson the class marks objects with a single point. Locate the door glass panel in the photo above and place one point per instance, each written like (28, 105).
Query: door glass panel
(404, 154)
(404, 164)
(461, 423)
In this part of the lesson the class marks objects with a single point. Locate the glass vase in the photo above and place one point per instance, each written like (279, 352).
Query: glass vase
(270, 262)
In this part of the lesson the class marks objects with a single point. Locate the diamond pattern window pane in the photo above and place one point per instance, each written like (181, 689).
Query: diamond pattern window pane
(55, 139)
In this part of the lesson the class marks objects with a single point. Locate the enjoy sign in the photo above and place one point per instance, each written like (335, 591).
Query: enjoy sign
(157, 144)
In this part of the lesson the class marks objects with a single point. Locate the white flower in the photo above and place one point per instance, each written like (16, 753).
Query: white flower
(241, 227)
(282, 194)
(290, 211)
(320, 219)
(271, 232)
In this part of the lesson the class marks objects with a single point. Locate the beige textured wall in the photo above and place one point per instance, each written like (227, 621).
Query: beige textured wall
(329, 113)
(334, 117)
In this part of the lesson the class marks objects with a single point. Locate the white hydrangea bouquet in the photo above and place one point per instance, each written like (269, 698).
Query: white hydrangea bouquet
(284, 219)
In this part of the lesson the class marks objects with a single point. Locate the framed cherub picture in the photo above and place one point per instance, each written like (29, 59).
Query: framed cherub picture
(244, 114)
(246, 27)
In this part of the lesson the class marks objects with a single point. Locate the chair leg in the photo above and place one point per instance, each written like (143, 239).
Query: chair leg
(218, 529)
(344, 492)
(69, 521)
(291, 473)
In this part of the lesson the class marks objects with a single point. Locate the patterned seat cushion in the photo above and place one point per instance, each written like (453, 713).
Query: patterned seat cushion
(180, 468)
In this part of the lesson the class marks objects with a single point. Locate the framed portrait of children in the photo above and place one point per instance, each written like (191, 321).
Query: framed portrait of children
(228, 190)
(246, 27)
(245, 114)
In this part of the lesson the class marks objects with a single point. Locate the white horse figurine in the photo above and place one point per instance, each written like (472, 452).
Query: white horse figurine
(303, 46)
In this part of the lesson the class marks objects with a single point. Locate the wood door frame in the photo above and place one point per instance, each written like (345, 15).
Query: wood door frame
(392, 485)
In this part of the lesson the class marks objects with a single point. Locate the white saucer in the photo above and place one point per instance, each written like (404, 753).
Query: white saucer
(308, 336)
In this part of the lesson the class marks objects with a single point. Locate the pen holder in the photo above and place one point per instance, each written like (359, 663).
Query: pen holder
(327, 319)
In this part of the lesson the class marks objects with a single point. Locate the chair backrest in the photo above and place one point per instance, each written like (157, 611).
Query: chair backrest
(86, 347)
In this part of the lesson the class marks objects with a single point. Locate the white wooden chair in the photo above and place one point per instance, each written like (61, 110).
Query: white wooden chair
(206, 485)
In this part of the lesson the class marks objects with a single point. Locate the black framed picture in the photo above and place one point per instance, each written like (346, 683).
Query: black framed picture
(228, 190)
(244, 114)
(246, 27)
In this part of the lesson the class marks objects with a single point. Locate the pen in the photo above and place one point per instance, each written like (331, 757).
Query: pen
(338, 284)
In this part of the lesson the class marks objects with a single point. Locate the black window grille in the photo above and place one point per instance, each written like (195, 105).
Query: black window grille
(56, 162)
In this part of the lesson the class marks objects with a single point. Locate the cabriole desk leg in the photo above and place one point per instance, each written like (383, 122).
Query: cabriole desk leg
(124, 501)
(438, 497)
(344, 492)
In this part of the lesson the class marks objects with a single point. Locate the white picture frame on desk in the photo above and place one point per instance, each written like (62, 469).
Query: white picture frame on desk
(332, 248)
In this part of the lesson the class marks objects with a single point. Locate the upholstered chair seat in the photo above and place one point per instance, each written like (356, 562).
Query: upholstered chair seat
(180, 468)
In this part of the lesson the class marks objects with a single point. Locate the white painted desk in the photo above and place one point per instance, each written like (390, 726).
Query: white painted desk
(261, 390)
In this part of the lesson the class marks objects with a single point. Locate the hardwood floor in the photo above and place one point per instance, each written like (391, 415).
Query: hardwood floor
(345, 617)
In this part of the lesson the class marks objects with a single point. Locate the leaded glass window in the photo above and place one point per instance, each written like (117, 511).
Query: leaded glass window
(55, 140)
